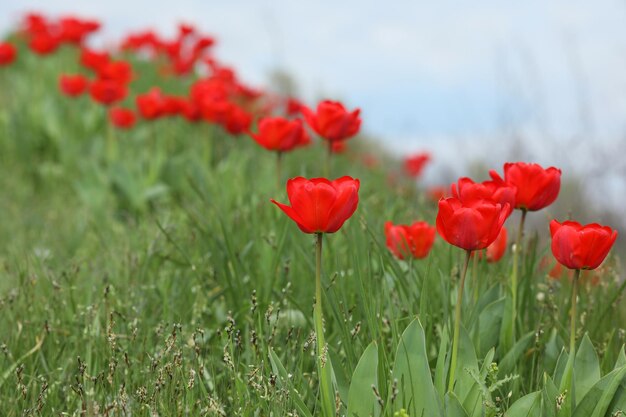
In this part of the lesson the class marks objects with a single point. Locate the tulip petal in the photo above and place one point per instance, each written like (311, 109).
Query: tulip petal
(345, 203)
(293, 215)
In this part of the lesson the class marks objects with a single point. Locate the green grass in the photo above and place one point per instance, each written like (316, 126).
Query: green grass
(165, 283)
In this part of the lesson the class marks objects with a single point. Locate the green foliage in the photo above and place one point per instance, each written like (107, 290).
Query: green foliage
(160, 280)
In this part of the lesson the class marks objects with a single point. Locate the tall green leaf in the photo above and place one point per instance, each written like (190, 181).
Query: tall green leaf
(597, 401)
(411, 371)
(527, 406)
(361, 399)
(587, 368)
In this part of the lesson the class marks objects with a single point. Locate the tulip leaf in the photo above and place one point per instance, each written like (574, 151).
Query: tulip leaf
(567, 387)
(507, 364)
(487, 329)
(618, 404)
(506, 330)
(552, 351)
(479, 393)
(466, 366)
(559, 369)
(453, 406)
(441, 370)
(621, 359)
(361, 399)
(340, 379)
(549, 394)
(284, 381)
(611, 352)
(527, 406)
(587, 368)
(597, 401)
(411, 371)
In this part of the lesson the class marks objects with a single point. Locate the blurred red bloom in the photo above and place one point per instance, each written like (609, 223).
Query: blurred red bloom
(415, 240)
(319, 205)
(190, 111)
(280, 134)
(172, 105)
(185, 29)
(93, 60)
(43, 44)
(293, 106)
(107, 92)
(35, 24)
(553, 268)
(370, 160)
(332, 121)
(338, 147)
(496, 250)
(414, 164)
(237, 120)
(119, 71)
(468, 191)
(150, 104)
(122, 118)
(7, 53)
(470, 226)
(535, 186)
(581, 247)
(207, 91)
(73, 85)
(74, 30)
(437, 192)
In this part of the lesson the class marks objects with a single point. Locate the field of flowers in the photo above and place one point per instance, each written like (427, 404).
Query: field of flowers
(174, 242)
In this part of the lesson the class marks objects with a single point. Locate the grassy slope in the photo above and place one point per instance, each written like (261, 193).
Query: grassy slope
(157, 282)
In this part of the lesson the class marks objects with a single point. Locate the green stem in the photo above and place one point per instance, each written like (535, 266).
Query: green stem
(572, 330)
(111, 144)
(475, 281)
(329, 156)
(457, 322)
(323, 360)
(279, 159)
(514, 275)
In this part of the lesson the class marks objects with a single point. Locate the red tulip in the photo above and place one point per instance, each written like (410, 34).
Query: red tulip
(581, 247)
(107, 92)
(536, 187)
(93, 60)
(74, 30)
(7, 53)
(151, 104)
(190, 111)
(332, 121)
(496, 250)
(470, 226)
(73, 85)
(43, 44)
(35, 24)
(414, 240)
(338, 147)
(414, 164)
(122, 118)
(319, 205)
(280, 134)
(120, 71)
(293, 106)
(172, 105)
(237, 120)
(496, 192)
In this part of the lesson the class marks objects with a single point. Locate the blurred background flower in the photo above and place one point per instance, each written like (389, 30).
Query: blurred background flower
(474, 84)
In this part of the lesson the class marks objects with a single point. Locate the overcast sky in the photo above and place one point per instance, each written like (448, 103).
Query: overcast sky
(427, 75)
